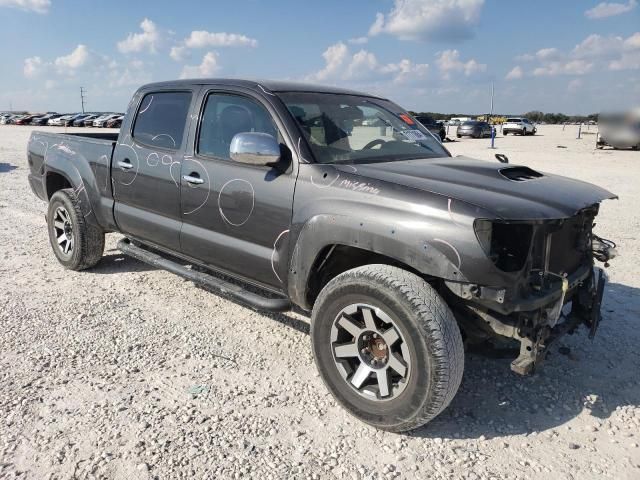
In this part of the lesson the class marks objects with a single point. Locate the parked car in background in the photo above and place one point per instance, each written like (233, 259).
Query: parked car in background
(88, 121)
(68, 122)
(26, 119)
(102, 120)
(474, 129)
(58, 119)
(79, 120)
(434, 127)
(115, 122)
(43, 120)
(518, 125)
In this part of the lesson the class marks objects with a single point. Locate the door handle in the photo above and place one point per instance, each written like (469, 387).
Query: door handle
(125, 164)
(193, 178)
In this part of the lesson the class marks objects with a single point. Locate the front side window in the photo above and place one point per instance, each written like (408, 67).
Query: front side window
(162, 118)
(226, 115)
(358, 129)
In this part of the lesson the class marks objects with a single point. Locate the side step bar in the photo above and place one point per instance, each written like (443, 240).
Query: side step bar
(225, 288)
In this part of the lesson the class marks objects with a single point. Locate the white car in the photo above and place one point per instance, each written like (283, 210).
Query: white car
(518, 125)
(56, 122)
(103, 119)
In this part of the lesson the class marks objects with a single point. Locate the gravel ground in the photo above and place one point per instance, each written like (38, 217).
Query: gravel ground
(129, 372)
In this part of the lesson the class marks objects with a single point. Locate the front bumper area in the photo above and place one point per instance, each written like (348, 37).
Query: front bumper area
(536, 321)
(585, 309)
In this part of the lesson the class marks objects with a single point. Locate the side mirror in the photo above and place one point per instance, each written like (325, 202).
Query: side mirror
(254, 148)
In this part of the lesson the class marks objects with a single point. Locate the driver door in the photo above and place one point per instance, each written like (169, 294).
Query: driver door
(236, 216)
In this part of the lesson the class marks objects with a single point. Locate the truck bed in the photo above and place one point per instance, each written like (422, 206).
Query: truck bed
(77, 159)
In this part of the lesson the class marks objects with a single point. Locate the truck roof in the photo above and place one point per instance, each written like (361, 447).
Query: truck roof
(269, 85)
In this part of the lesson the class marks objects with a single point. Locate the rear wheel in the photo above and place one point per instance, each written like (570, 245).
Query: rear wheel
(387, 346)
(76, 244)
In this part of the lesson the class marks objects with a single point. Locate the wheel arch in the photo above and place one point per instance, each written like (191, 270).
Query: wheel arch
(328, 245)
(55, 181)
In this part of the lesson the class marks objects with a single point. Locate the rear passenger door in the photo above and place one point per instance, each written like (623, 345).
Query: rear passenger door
(236, 216)
(146, 167)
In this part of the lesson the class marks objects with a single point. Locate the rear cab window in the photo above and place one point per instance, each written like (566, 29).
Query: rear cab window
(161, 119)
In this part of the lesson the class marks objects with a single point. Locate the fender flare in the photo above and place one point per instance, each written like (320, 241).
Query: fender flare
(428, 256)
(63, 161)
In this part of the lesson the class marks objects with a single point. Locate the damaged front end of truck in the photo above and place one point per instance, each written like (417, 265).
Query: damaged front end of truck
(552, 284)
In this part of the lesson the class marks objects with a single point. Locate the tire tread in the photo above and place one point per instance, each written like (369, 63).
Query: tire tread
(435, 320)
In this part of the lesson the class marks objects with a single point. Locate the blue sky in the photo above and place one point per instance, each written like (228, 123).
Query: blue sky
(436, 55)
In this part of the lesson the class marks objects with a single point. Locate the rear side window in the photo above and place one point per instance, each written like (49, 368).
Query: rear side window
(162, 118)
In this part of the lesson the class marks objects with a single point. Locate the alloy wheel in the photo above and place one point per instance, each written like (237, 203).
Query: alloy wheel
(370, 352)
(63, 230)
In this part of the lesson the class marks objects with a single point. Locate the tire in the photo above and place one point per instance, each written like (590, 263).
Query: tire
(83, 243)
(459, 136)
(425, 334)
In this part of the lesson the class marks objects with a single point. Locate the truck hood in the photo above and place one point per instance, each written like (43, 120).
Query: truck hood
(510, 192)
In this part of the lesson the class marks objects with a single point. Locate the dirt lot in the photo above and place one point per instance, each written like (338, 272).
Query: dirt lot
(129, 372)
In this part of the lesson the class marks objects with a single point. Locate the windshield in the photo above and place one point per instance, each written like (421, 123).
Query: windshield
(354, 129)
(514, 120)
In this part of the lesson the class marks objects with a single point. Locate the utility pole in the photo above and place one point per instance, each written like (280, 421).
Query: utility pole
(492, 91)
(82, 92)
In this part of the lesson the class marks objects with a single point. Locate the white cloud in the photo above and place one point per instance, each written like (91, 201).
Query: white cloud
(610, 9)
(178, 53)
(633, 42)
(358, 40)
(207, 68)
(32, 67)
(542, 54)
(515, 73)
(442, 20)
(405, 70)
(573, 67)
(73, 61)
(65, 64)
(598, 46)
(449, 62)
(361, 65)
(334, 57)
(593, 53)
(37, 6)
(148, 40)
(134, 73)
(202, 39)
(547, 53)
(627, 61)
(341, 65)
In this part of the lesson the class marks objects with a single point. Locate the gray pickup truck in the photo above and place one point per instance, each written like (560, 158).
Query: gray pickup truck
(281, 195)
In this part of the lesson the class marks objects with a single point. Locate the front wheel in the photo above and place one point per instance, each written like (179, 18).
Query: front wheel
(387, 346)
(76, 244)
